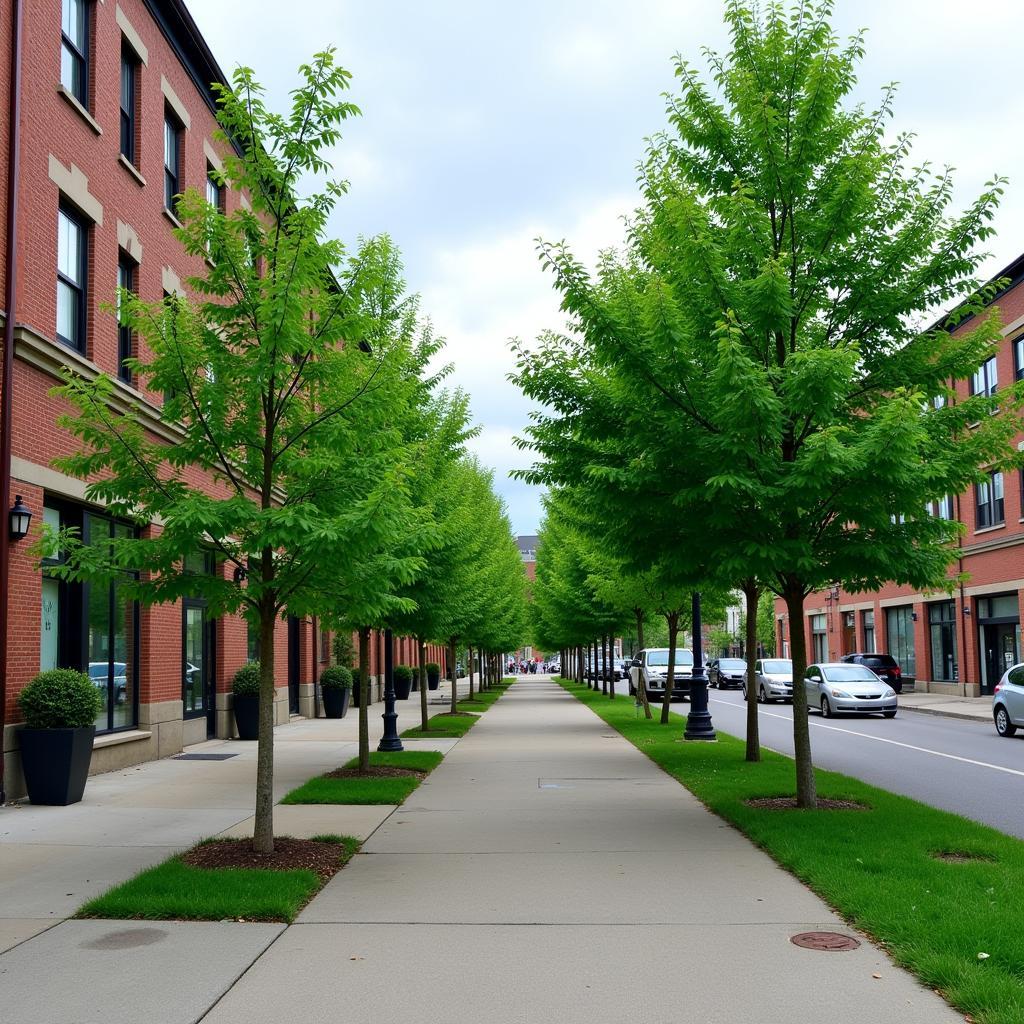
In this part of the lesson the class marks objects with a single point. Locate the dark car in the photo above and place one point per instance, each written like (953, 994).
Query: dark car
(885, 666)
(726, 672)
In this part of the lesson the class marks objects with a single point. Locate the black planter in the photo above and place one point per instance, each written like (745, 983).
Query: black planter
(433, 680)
(336, 701)
(247, 716)
(56, 763)
(403, 687)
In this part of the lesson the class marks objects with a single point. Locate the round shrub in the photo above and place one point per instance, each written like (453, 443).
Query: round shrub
(61, 698)
(433, 667)
(246, 681)
(403, 674)
(337, 677)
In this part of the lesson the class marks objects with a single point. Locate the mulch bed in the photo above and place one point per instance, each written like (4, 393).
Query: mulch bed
(325, 859)
(959, 857)
(379, 771)
(788, 803)
(455, 714)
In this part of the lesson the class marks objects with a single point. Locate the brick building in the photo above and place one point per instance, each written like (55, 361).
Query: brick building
(115, 116)
(947, 643)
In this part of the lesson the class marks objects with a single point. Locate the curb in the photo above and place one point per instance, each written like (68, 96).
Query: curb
(945, 714)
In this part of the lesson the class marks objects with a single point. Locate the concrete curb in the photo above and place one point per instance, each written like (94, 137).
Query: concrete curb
(945, 714)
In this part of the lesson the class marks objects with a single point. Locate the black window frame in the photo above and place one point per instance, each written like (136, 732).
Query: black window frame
(79, 55)
(1018, 356)
(988, 509)
(129, 101)
(989, 375)
(942, 646)
(172, 176)
(81, 288)
(127, 279)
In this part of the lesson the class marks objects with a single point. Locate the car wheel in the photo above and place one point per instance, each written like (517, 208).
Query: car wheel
(826, 708)
(762, 697)
(1003, 724)
(888, 714)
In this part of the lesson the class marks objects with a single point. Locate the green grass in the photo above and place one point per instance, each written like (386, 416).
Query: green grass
(417, 760)
(445, 726)
(322, 790)
(874, 867)
(176, 891)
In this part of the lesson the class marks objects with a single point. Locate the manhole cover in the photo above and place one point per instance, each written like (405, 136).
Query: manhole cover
(202, 757)
(831, 941)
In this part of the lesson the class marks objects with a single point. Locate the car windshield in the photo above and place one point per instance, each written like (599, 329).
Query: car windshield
(849, 674)
(880, 661)
(777, 668)
(683, 657)
(733, 665)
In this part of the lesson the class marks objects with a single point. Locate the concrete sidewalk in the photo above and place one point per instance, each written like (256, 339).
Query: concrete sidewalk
(974, 709)
(53, 859)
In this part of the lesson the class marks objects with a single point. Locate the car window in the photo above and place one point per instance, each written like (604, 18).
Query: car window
(660, 657)
(733, 664)
(849, 674)
(879, 660)
(1016, 675)
(813, 673)
(776, 667)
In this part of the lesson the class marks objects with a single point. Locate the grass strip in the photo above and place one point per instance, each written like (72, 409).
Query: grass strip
(370, 790)
(877, 868)
(176, 891)
(417, 760)
(444, 726)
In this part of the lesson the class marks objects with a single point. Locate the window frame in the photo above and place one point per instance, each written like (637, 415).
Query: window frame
(80, 288)
(1017, 344)
(987, 376)
(990, 509)
(173, 129)
(129, 117)
(126, 268)
(79, 55)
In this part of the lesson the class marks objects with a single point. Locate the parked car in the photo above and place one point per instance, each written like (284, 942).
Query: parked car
(885, 666)
(1008, 701)
(835, 687)
(726, 672)
(773, 680)
(99, 674)
(652, 662)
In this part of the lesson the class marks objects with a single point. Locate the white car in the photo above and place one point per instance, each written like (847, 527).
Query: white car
(834, 687)
(773, 680)
(652, 662)
(1008, 701)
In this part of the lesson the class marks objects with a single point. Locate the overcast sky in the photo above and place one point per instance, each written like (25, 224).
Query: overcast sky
(486, 125)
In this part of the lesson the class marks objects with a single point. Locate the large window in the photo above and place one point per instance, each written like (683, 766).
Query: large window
(214, 196)
(985, 379)
(988, 501)
(129, 74)
(93, 627)
(252, 641)
(172, 159)
(899, 628)
(868, 621)
(942, 631)
(72, 254)
(819, 638)
(125, 283)
(1018, 356)
(74, 49)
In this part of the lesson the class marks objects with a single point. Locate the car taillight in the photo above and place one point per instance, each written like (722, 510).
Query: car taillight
(998, 686)
(897, 670)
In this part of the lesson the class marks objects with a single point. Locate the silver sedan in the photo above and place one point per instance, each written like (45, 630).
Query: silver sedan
(836, 687)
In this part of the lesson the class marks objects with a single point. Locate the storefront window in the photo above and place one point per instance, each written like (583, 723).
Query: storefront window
(942, 630)
(899, 626)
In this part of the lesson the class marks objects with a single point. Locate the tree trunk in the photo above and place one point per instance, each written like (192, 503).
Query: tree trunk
(455, 674)
(578, 664)
(364, 698)
(641, 686)
(424, 718)
(751, 593)
(469, 666)
(263, 826)
(806, 788)
(608, 669)
(673, 631)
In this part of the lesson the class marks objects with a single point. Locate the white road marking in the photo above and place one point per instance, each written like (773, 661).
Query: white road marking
(895, 743)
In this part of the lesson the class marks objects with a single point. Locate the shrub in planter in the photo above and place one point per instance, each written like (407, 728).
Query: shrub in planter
(60, 708)
(433, 675)
(403, 682)
(336, 687)
(245, 687)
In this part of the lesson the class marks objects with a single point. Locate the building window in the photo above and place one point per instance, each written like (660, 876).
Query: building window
(71, 279)
(941, 509)
(985, 379)
(988, 500)
(1018, 357)
(868, 621)
(819, 638)
(74, 49)
(129, 72)
(252, 641)
(214, 196)
(899, 628)
(172, 159)
(942, 629)
(93, 627)
(126, 268)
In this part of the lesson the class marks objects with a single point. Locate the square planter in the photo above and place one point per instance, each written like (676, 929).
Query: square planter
(56, 763)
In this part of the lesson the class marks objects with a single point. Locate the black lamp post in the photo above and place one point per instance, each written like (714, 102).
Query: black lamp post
(698, 721)
(390, 741)
(19, 519)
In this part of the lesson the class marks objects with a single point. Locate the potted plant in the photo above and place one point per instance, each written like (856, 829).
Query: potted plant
(403, 682)
(60, 708)
(356, 688)
(245, 689)
(433, 675)
(336, 687)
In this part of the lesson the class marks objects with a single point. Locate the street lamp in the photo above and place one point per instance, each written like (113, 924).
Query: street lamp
(19, 519)
(698, 721)
(390, 741)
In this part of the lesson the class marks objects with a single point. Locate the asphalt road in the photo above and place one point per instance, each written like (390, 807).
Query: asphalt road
(957, 765)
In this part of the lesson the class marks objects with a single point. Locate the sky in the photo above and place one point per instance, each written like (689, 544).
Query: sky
(486, 126)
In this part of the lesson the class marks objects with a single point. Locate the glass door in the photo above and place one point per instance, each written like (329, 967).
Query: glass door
(198, 686)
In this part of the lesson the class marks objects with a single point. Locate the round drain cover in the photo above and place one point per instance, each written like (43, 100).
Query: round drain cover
(824, 940)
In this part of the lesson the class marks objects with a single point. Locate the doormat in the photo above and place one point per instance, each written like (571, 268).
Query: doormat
(202, 757)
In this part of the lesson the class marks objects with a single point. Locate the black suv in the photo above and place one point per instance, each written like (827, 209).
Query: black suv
(884, 666)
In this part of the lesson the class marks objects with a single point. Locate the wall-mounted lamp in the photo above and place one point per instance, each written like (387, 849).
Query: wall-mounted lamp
(913, 616)
(240, 574)
(19, 518)
(967, 611)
